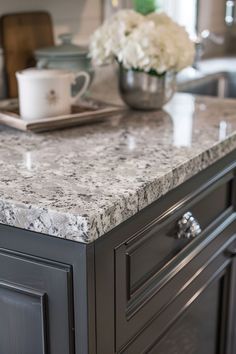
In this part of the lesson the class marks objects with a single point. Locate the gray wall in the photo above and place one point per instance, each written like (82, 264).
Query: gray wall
(78, 16)
(83, 16)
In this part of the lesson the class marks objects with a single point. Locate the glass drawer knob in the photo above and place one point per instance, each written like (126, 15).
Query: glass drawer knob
(188, 227)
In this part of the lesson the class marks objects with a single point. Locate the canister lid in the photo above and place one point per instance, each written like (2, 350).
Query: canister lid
(65, 49)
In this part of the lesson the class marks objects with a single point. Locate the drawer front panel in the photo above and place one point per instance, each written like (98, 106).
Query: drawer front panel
(159, 244)
(154, 264)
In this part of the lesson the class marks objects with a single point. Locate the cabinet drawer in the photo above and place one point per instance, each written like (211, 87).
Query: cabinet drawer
(150, 251)
(195, 320)
(146, 264)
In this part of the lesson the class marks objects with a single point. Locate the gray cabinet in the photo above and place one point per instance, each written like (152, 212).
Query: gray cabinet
(139, 289)
(150, 283)
(47, 294)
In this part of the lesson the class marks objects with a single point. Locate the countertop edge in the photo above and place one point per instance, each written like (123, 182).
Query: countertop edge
(87, 229)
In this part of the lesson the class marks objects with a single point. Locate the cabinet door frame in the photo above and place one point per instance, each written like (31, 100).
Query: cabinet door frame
(29, 294)
(222, 272)
(229, 311)
(77, 255)
(54, 281)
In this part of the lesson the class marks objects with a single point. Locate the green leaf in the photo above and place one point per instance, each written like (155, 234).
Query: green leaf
(145, 6)
(152, 72)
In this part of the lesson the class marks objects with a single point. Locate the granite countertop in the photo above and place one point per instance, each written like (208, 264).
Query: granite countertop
(80, 183)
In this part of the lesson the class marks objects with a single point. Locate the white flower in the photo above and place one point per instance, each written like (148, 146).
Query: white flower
(108, 40)
(160, 19)
(152, 42)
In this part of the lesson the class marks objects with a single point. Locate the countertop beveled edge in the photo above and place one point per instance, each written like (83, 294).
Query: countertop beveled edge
(86, 229)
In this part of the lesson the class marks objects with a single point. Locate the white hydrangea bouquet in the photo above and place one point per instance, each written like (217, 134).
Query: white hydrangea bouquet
(153, 43)
(150, 50)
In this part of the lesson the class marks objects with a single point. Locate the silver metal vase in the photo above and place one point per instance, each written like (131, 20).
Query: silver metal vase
(144, 91)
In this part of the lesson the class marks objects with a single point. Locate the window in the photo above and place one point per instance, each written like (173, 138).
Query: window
(182, 11)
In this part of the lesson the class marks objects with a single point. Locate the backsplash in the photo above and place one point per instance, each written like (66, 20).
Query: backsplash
(81, 17)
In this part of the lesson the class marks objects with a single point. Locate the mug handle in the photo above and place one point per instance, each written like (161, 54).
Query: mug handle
(84, 88)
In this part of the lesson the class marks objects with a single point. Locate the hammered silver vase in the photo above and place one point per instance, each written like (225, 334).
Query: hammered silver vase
(144, 91)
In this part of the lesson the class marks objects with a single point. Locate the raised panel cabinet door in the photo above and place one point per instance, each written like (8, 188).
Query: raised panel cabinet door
(231, 306)
(22, 314)
(35, 305)
(206, 322)
(196, 332)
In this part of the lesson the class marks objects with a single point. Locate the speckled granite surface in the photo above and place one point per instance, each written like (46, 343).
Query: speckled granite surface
(80, 183)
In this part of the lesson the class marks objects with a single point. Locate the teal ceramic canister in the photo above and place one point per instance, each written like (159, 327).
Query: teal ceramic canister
(66, 56)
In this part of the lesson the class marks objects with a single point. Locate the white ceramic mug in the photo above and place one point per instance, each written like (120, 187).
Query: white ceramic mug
(47, 93)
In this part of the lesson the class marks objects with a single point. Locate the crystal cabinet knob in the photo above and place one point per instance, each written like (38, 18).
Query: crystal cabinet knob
(188, 227)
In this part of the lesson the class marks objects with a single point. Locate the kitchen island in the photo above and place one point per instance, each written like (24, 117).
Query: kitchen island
(120, 237)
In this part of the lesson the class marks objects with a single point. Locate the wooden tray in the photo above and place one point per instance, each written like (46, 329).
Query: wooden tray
(87, 112)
